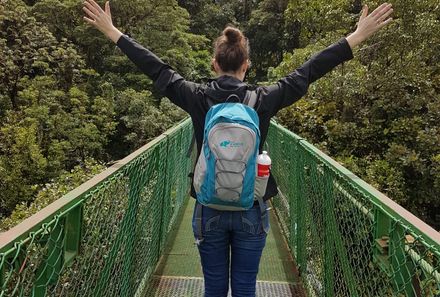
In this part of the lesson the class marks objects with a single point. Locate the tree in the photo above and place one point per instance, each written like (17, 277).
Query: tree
(388, 96)
(51, 191)
(48, 121)
(67, 95)
(268, 36)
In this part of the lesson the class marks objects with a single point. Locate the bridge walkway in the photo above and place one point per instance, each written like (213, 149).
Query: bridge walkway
(179, 272)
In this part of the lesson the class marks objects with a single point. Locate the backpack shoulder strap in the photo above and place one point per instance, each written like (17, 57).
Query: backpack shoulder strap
(251, 98)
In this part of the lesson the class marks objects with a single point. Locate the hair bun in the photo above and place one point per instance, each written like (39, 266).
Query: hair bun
(233, 35)
(231, 49)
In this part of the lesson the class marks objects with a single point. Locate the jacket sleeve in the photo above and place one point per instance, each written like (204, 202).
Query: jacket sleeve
(166, 80)
(295, 85)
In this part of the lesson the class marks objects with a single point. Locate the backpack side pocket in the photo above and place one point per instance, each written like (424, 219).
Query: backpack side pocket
(200, 173)
(260, 186)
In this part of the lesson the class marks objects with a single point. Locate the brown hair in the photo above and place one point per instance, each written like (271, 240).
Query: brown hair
(231, 49)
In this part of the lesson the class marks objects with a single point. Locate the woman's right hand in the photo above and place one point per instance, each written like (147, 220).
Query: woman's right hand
(100, 19)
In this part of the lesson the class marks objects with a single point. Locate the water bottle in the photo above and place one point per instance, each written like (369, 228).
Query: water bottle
(263, 165)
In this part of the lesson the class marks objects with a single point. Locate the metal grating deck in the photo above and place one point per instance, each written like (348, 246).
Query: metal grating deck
(179, 272)
(193, 287)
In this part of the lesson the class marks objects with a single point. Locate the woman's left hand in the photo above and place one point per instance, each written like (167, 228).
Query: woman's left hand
(370, 23)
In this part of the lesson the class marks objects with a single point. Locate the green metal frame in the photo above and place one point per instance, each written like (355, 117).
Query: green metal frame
(73, 234)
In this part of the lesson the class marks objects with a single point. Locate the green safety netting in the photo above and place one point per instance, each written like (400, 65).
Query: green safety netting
(347, 238)
(106, 237)
(122, 222)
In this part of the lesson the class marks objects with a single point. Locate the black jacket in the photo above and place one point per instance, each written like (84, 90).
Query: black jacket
(193, 97)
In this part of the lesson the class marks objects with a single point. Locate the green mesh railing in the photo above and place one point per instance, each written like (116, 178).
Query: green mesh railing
(105, 237)
(348, 238)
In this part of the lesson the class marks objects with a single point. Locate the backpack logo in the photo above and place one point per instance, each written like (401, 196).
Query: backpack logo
(228, 143)
(225, 143)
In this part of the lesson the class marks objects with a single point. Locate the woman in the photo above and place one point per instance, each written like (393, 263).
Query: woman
(233, 241)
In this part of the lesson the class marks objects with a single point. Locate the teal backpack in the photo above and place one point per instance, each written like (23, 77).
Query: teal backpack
(225, 176)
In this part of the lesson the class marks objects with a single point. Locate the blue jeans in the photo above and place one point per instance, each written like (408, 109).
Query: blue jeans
(232, 241)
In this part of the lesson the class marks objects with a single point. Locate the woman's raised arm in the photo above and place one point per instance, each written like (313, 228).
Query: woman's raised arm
(295, 85)
(166, 80)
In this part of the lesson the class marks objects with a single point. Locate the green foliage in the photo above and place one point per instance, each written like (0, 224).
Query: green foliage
(209, 18)
(22, 164)
(142, 119)
(48, 123)
(378, 114)
(68, 95)
(316, 18)
(269, 35)
(263, 22)
(170, 39)
(64, 183)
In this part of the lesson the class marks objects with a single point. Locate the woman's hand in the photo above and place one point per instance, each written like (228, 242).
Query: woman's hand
(100, 19)
(370, 24)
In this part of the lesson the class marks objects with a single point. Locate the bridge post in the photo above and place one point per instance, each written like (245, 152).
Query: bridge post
(302, 172)
(130, 229)
(73, 233)
(293, 197)
(2, 271)
(382, 225)
(50, 269)
(329, 235)
(402, 266)
(166, 194)
(390, 254)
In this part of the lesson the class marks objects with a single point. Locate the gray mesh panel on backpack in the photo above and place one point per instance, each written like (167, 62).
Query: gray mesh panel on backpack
(233, 145)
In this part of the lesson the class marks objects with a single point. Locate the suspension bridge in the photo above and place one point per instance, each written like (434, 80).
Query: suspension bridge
(127, 232)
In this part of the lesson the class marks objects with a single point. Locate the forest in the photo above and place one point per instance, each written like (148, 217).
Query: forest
(71, 103)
